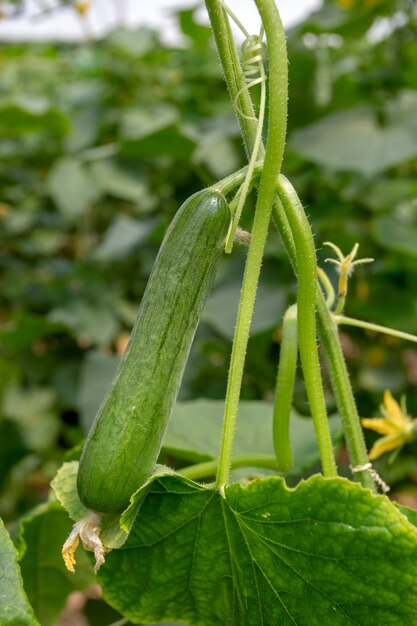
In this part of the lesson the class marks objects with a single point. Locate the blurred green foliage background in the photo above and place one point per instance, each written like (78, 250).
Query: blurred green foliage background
(101, 142)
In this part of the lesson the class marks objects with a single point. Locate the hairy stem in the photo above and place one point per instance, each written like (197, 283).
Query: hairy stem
(233, 74)
(343, 392)
(377, 328)
(272, 163)
(306, 305)
(245, 112)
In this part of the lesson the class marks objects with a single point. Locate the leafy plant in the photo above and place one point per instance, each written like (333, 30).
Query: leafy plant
(229, 552)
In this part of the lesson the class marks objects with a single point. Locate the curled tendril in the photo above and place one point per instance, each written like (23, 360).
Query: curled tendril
(253, 51)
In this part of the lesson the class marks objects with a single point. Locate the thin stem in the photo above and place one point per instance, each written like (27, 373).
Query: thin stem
(284, 390)
(306, 304)
(341, 301)
(278, 88)
(273, 158)
(236, 20)
(350, 321)
(342, 388)
(209, 468)
(243, 192)
(228, 184)
(343, 392)
(282, 224)
(233, 74)
(244, 108)
(328, 287)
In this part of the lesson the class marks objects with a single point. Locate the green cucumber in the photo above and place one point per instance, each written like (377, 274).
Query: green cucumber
(125, 439)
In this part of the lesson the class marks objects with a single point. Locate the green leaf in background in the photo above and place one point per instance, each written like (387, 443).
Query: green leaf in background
(24, 328)
(47, 582)
(392, 235)
(30, 116)
(386, 194)
(352, 140)
(221, 308)
(33, 411)
(122, 182)
(12, 448)
(84, 129)
(218, 153)
(133, 42)
(139, 122)
(88, 322)
(97, 373)
(15, 609)
(327, 552)
(171, 141)
(199, 34)
(194, 430)
(410, 514)
(72, 187)
(152, 133)
(123, 235)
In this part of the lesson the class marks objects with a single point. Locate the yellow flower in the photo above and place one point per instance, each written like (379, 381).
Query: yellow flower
(345, 266)
(397, 427)
(82, 7)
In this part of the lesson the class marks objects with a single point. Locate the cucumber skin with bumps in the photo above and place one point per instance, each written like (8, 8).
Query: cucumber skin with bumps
(124, 441)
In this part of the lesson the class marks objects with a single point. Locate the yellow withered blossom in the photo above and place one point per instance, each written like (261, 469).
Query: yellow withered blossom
(396, 426)
(82, 7)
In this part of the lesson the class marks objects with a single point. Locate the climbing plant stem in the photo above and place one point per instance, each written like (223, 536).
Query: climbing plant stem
(344, 395)
(244, 110)
(233, 74)
(272, 164)
(306, 314)
(328, 332)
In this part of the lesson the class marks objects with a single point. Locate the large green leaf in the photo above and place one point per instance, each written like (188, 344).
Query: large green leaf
(151, 133)
(392, 235)
(195, 427)
(15, 609)
(327, 552)
(72, 187)
(34, 412)
(218, 153)
(24, 329)
(133, 42)
(352, 140)
(92, 323)
(171, 141)
(97, 373)
(140, 122)
(221, 309)
(123, 235)
(47, 582)
(122, 182)
(30, 116)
